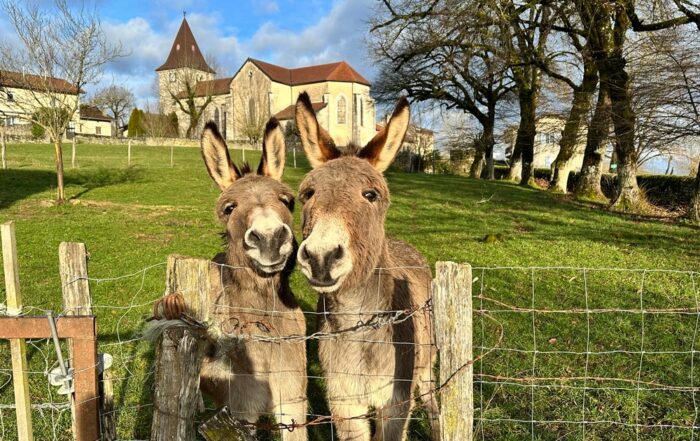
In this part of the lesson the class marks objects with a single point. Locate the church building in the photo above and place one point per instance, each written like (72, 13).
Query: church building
(242, 104)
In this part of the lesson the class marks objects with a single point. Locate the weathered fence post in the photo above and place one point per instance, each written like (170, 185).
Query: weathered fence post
(172, 156)
(128, 155)
(17, 346)
(179, 354)
(452, 312)
(72, 154)
(78, 301)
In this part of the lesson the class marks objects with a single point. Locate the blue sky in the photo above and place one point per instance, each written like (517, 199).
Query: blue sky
(286, 32)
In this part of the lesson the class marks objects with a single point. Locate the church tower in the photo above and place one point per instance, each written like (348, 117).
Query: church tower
(185, 65)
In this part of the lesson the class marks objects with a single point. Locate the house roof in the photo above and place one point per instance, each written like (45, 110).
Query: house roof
(37, 83)
(288, 112)
(185, 52)
(93, 113)
(338, 71)
(220, 86)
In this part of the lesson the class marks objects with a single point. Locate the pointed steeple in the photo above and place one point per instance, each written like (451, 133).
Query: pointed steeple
(185, 52)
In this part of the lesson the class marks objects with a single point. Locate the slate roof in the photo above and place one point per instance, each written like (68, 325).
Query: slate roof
(185, 52)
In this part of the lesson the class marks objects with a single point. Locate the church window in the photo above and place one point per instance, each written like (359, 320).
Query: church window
(172, 77)
(342, 109)
(216, 116)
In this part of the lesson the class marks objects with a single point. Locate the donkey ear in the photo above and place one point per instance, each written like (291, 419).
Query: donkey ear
(380, 151)
(273, 151)
(216, 157)
(317, 143)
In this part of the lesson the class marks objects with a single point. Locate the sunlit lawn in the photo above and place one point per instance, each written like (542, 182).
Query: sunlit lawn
(131, 218)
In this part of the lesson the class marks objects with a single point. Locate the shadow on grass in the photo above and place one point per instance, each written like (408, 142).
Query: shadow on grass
(19, 184)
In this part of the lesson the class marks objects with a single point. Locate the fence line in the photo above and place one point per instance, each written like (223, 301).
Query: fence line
(487, 384)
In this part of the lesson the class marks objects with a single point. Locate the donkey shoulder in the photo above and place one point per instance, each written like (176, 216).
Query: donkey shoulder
(404, 255)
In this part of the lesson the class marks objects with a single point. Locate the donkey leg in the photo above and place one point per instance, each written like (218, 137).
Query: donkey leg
(347, 427)
(392, 422)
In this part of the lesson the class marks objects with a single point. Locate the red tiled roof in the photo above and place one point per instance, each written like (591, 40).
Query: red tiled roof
(410, 133)
(185, 52)
(220, 86)
(36, 82)
(288, 112)
(93, 113)
(339, 71)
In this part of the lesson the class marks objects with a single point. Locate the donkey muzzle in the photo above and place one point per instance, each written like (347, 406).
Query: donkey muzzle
(269, 246)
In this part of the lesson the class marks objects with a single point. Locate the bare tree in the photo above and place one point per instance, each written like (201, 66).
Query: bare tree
(441, 51)
(251, 111)
(62, 50)
(118, 102)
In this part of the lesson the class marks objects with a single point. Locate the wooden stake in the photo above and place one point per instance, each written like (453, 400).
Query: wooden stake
(128, 155)
(17, 346)
(72, 154)
(172, 159)
(179, 354)
(452, 309)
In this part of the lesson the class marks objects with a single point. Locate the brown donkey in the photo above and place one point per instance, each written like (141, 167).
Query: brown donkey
(255, 368)
(364, 277)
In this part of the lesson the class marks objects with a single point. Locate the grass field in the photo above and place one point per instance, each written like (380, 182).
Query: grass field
(131, 218)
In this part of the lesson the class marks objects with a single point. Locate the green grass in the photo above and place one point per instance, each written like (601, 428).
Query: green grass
(131, 218)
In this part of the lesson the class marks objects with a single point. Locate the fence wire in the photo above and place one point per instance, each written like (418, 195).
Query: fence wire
(559, 353)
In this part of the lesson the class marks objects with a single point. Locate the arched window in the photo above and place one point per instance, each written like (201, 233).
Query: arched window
(342, 109)
(216, 116)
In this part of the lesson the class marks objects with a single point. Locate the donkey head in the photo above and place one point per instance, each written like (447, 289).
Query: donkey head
(345, 201)
(256, 208)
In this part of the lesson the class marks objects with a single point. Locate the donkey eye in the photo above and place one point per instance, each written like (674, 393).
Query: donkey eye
(288, 201)
(370, 195)
(305, 196)
(228, 208)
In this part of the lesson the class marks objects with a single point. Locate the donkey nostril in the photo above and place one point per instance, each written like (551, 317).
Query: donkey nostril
(339, 253)
(305, 254)
(254, 238)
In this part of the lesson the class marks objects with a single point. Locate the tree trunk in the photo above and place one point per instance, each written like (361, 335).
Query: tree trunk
(488, 140)
(525, 138)
(694, 206)
(478, 163)
(580, 106)
(516, 168)
(592, 170)
(628, 197)
(58, 145)
(3, 146)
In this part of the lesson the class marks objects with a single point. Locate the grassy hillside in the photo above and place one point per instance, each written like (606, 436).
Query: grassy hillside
(131, 218)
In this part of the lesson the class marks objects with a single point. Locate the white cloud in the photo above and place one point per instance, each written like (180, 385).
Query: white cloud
(340, 35)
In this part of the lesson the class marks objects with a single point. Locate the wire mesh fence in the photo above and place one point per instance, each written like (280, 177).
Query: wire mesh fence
(586, 353)
(559, 353)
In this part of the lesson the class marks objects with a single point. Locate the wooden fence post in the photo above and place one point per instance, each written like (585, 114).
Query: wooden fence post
(78, 301)
(452, 312)
(172, 156)
(17, 346)
(179, 354)
(128, 155)
(72, 154)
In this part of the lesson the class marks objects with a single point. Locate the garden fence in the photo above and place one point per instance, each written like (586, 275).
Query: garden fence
(558, 352)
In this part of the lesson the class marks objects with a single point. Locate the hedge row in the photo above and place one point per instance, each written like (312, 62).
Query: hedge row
(667, 191)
